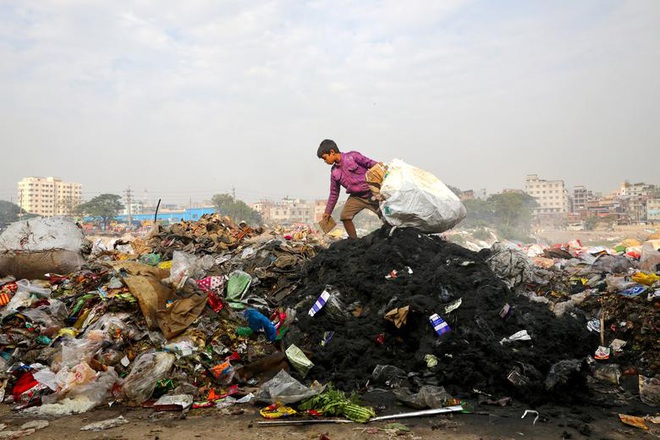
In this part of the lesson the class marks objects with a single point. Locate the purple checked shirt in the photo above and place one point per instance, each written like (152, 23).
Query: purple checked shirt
(349, 173)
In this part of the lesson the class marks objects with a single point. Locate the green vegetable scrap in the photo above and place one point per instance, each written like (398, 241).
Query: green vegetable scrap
(334, 402)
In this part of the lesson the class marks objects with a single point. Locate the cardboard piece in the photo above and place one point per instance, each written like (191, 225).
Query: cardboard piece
(175, 319)
(327, 225)
(152, 296)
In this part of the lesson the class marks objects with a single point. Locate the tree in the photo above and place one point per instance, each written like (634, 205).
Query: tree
(238, 210)
(104, 207)
(8, 213)
(509, 213)
(479, 213)
(513, 210)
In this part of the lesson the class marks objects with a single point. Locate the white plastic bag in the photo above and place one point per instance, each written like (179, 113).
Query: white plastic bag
(416, 198)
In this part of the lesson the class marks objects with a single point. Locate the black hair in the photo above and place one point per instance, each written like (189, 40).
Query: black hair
(325, 148)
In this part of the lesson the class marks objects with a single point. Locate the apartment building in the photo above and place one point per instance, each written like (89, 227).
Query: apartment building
(286, 211)
(48, 196)
(581, 198)
(551, 195)
(635, 190)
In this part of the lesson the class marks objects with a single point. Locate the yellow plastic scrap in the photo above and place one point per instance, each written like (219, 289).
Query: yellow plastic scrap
(67, 331)
(165, 264)
(276, 411)
(645, 278)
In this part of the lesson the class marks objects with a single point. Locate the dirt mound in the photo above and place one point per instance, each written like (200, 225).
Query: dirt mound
(471, 356)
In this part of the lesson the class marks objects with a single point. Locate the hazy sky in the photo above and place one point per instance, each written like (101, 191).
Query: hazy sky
(185, 99)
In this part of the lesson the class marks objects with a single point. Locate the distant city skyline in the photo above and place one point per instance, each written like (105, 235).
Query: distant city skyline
(194, 199)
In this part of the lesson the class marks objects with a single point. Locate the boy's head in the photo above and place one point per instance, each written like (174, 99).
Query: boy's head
(325, 148)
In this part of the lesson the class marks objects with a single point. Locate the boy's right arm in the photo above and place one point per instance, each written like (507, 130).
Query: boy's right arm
(334, 196)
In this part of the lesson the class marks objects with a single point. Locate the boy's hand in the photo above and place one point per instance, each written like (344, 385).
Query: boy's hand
(326, 216)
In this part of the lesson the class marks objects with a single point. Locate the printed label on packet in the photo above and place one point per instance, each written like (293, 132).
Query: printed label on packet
(318, 305)
(439, 325)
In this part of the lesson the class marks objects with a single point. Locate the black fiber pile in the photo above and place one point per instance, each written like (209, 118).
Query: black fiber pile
(470, 357)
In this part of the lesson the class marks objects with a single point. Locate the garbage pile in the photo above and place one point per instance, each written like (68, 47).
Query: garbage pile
(616, 290)
(407, 309)
(146, 317)
(213, 314)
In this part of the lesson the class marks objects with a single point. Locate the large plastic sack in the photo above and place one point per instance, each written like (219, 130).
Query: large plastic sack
(32, 248)
(416, 198)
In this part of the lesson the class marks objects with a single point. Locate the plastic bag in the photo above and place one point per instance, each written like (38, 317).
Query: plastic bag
(147, 370)
(416, 198)
(649, 390)
(113, 326)
(237, 285)
(608, 373)
(186, 266)
(285, 389)
(79, 399)
(428, 397)
(389, 375)
(75, 351)
(257, 322)
(298, 359)
(27, 286)
(511, 265)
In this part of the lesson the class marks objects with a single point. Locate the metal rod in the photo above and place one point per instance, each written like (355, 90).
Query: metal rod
(156, 213)
(426, 412)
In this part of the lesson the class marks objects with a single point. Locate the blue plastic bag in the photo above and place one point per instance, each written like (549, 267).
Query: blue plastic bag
(257, 322)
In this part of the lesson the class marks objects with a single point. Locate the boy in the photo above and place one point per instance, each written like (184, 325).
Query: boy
(348, 170)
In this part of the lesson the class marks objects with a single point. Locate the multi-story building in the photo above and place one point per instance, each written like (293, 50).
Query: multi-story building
(286, 211)
(551, 195)
(48, 196)
(634, 198)
(634, 190)
(581, 197)
(653, 210)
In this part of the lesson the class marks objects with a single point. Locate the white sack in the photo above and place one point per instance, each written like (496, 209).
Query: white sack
(42, 234)
(416, 198)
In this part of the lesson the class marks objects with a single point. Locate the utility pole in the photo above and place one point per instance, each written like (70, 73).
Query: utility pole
(233, 192)
(129, 202)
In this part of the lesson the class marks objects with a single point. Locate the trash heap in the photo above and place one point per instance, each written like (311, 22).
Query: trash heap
(146, 317)
(375, 327)
(214, 314)
(617, 290)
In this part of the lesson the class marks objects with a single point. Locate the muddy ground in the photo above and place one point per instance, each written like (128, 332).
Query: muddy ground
(488, 423)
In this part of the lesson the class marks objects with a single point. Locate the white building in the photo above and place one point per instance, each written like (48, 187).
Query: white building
(286, 211)
(551, 195)
(634, 190)
(48, 196)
